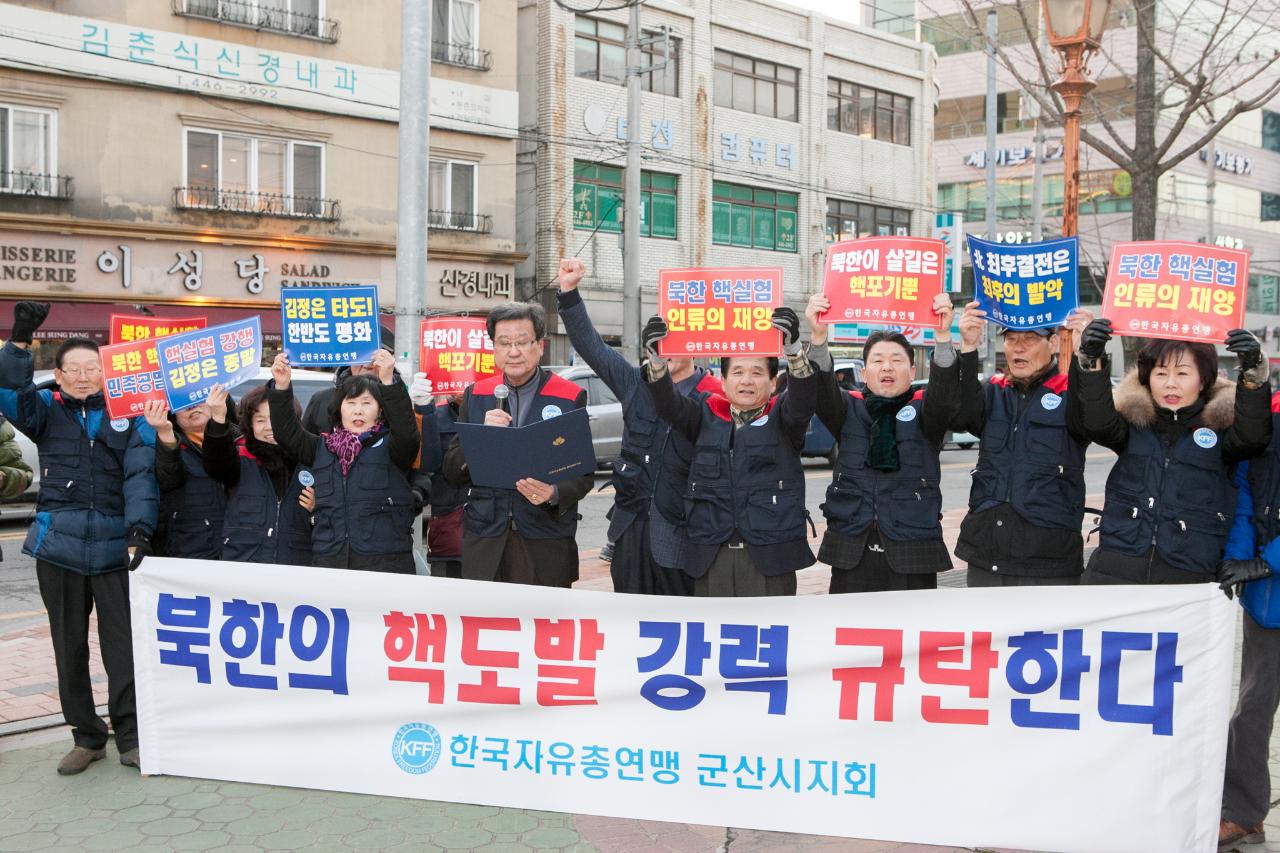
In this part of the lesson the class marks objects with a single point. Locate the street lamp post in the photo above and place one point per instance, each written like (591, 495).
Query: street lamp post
(1075, 31)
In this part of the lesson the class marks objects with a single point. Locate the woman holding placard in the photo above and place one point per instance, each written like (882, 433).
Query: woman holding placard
(364, 503)
(1178, 430)
(192, 503)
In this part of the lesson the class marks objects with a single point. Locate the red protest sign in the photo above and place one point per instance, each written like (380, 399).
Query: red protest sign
(126, 328)
(131, 377)
(718, 312)
(1176, 290)
(456, 351)
(889, 280)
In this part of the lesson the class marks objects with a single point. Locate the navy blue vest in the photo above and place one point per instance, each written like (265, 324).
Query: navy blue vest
(370, 509)
(905, 504)
(261, 528)
(654, 464)
(445, 497)
(488, 509)
(83, 466)
(1264, 482)
(1030, 462)
(191, 516)
(1180, 503)
(748, 480)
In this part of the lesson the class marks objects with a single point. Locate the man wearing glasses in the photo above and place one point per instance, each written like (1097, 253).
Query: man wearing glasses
(95, 514)
(525, 534)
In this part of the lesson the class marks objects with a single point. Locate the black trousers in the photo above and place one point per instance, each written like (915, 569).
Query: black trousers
(978, 577)
(634, 570)
(1246, 793)
(69, 597)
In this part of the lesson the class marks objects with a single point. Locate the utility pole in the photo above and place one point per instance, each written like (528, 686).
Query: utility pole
(411, 197)
(993, 31)
(631, 196)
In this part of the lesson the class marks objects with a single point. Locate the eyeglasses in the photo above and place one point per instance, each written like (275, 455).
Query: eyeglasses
(522, 344)
(81, 372)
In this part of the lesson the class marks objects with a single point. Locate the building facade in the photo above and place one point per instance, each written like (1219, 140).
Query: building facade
(1240, 179)
(768, 132)
(193, 157)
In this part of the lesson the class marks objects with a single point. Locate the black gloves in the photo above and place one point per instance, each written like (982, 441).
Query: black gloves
(1093, 341)
(140, 542)
(27, 317)
(653, 331)
(1246, 346)
(1234, 574)
(419, 500)
(786, 321)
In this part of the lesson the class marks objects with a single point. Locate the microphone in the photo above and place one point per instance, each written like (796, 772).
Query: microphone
(500, 394)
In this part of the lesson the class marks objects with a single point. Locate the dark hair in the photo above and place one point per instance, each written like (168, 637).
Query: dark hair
(72, 344)
(881, 335)
(1156, 352)
(249, 404)
(352, 386)
(530, 311)
(771, 363)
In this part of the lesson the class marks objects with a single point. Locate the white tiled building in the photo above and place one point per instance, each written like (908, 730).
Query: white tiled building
(741, 167)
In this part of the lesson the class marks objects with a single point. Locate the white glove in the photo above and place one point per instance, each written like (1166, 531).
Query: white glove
(420, 390)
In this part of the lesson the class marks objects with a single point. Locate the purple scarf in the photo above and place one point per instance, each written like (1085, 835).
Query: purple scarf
(347, 445)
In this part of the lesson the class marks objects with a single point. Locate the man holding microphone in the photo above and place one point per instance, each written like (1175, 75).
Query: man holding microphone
(526, 534)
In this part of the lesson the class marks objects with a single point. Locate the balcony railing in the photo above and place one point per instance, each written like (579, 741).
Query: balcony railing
(36, 184)
(257, 15)
(448, 220)
(256, 204)
(463, 55)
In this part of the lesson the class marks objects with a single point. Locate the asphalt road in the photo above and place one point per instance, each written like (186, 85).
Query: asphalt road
(20, 605)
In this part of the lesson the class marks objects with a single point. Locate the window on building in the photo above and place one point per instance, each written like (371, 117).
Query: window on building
(295, 17)
(451, 196)
(1264, 294)
(599, 51)
(756, 86)
(666, 80)
(27, 151)
(248, 174)
(848, 104)
(848, 220)
(894, 16)
(597, 200)
(753, 217)
(455, 27)
(1270, 207)
(1271, 131)
(1101, 192)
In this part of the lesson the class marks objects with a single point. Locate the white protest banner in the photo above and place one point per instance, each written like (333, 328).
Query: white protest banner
(1077, 718)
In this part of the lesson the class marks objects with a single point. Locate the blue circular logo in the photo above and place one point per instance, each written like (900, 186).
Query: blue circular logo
(760, 421)
(1050, 401)
(550, 411)
(416, 748)
(120, 424)
(1205, 437)
(306, 478)
(907, 414)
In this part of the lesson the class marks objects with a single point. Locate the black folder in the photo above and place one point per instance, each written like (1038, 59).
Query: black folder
(550, 451)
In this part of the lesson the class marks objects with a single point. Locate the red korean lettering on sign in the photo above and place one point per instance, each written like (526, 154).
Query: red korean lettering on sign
(130, 377)
(719, 312)
(455, 352)
(127, 329)
(1176, 290)
(884, 280)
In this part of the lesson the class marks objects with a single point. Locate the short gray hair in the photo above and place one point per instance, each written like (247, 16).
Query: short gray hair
(530, 311)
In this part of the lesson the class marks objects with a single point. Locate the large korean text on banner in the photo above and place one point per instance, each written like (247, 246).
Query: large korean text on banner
(890, 280)
(1176, 290)
(456, 351)
(719, 312)
(1026, 285)
(330, 326)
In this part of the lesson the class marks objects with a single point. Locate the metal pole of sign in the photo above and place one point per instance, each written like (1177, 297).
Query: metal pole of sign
(411, 223)
(631, 196)
(993, 30)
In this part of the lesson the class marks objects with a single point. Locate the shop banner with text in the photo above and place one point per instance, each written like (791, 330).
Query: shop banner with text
(1026, 285)
(126, 328)
(890, 280)
(966, 717)
(1176, 290)
(130, 377)
(193, 362)
(456, 351)
(329, 326)
(718, 312)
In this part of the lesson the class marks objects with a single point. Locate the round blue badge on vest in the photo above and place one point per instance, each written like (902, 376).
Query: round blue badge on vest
(1205, 437)
(378, 443)
(760, 421)
(120, 424)
(907, 414)
(306, 478)
(1050, 401)
(550, 411)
